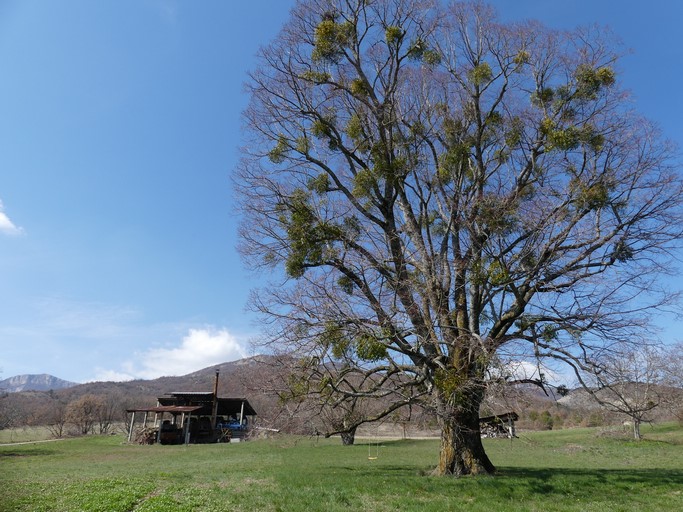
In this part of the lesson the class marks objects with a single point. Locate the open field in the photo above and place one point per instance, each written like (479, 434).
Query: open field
(26, 434)
(567, 470)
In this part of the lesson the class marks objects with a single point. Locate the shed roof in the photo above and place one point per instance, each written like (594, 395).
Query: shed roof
(226, 406)
(199, 403)
(507, 416)
(173, 409)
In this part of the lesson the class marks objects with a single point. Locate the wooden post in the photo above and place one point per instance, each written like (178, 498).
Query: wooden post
(161, 421)
(130, 429)
(186, 430)
(511, 424)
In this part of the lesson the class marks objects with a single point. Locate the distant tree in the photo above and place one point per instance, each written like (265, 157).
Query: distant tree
(631, 383)
(12, 414)
(84, 412)
(546, 420)
(54, 416)
(332, 412)
(111, 410)
(439, 189)
(342, 417)
(672, 365)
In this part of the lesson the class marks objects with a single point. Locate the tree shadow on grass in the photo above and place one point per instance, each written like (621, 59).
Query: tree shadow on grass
(557, 480)
(372, 441)
(372, 469)
(26, 453)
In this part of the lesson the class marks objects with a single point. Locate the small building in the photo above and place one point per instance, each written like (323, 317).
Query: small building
(499, 425)
(195, 417)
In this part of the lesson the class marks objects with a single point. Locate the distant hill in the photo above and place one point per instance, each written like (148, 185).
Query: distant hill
(664, 395)
(42, 382)
(259, 379)
(247, 378)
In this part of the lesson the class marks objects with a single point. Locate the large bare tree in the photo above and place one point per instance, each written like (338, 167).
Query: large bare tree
(433, 191)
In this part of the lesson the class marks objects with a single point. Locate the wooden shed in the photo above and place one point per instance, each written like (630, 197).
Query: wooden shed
(196, 417)
(185, 417)
(499, 425)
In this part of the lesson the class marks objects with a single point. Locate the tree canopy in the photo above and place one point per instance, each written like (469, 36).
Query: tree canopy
(435, 192)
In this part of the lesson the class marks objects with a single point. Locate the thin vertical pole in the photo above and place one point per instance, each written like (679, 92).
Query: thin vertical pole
(161, 421)
(187, 429)
(214, 410)
(130, 429)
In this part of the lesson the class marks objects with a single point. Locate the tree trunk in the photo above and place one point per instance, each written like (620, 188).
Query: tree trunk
(462, 452)
(636, 429)
(348, 437)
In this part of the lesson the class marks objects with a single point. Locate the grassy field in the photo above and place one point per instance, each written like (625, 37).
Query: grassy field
(567, 470)
(22, 435)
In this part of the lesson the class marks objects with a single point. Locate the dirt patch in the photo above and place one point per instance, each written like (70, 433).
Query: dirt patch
(571, 449)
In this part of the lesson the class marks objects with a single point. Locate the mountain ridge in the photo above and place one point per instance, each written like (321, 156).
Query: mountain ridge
(34, 382)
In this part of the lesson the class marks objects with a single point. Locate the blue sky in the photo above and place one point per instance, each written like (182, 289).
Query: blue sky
(119, 127)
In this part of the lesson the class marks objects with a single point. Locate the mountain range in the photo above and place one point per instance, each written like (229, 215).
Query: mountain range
(42, 382)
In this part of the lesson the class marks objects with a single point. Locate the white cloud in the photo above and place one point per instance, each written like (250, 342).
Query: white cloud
(8, 227)
(199, 349)
(532, 370)
(104, 375)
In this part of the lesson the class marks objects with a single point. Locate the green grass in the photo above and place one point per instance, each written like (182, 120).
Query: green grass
(567, 470)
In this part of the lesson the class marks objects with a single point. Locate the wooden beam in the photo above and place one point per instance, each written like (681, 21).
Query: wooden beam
(130, 429)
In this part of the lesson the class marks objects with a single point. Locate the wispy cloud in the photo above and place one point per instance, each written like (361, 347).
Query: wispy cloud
(90, 320)
(167, 9)
(8, 227)
(87, 340)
